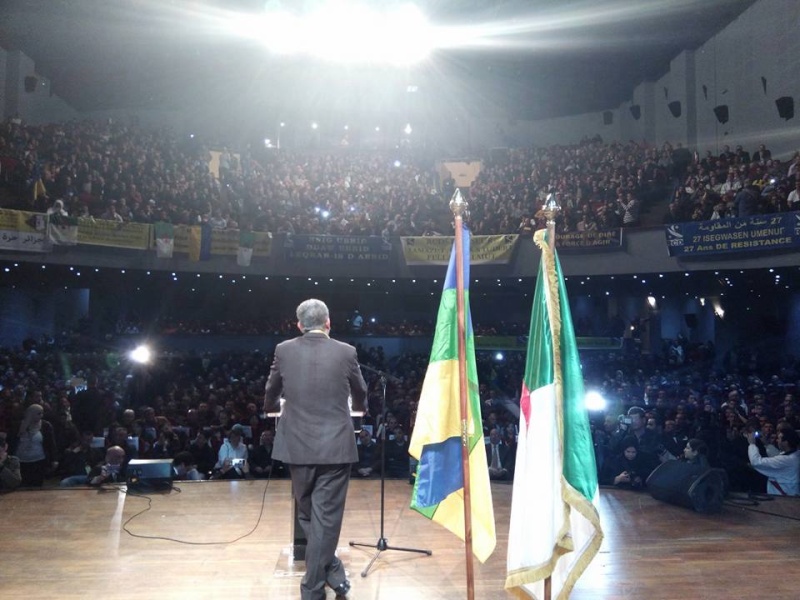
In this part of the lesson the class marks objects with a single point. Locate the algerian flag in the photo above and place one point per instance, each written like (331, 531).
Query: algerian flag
(165, 239)
(244, 253)
(61, 230)
(555, 528)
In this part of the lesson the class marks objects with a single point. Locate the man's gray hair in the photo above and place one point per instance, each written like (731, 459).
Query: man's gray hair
(312, 314)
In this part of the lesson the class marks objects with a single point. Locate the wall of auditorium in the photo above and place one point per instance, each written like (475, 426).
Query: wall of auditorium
(725, 71)
(35, 105)
(33, 314)
(761, 43)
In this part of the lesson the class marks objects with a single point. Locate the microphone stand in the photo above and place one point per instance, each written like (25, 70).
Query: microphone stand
(383, 544)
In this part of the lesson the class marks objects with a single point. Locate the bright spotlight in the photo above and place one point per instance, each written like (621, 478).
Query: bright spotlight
(141, 355)
(349, 32)
(498, 357)
(651, 301)
(594, 401)
(407, 130)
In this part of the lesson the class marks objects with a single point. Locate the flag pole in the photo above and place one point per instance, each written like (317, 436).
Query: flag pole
(550, 209)
(460, 209)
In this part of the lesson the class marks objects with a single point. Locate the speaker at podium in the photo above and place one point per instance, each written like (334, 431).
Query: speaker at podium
(684, 484)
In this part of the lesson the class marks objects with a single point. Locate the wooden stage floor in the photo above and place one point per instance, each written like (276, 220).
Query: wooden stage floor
(72, 543)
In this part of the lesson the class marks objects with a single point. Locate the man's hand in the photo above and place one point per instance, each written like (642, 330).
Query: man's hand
(751, 437)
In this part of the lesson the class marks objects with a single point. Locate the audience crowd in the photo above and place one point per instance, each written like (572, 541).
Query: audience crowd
(119, 172)
(77, 418)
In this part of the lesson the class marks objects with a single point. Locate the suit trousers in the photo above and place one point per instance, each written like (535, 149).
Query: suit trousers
(320, 492)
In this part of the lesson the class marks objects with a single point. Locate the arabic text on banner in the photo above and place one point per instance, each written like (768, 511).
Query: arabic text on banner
(723, 236)
(485, 250)
(23, 231)
(337, 248)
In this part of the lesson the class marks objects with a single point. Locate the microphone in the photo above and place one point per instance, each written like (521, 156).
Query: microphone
(383, 374)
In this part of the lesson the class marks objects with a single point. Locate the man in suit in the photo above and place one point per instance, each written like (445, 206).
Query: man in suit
(497, 455)
(315, 437)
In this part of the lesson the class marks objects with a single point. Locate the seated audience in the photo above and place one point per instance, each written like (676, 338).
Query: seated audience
(10, 476)
(185, 467)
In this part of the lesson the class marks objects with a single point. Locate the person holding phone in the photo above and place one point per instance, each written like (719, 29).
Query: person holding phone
(232, 457)
(316, 375)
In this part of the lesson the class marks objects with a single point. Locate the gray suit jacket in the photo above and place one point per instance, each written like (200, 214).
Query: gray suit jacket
(315, 375)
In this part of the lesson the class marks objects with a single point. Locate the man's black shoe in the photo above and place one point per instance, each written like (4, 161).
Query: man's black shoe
(342, 589)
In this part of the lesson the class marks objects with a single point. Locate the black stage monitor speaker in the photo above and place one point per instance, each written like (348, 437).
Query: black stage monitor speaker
(675, 108)
(150, 474)
(636, 111)
(683, 484)
(785, 105)
(721, 112)
(608, 117)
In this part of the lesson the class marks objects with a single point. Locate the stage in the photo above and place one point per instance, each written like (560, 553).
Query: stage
(71, 543)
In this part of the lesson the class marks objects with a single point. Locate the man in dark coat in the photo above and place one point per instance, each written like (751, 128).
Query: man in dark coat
(316, 376)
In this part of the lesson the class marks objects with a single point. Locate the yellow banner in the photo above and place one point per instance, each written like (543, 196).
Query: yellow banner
(24, 231)
(224, 242)
(99, 232)
(484, 249)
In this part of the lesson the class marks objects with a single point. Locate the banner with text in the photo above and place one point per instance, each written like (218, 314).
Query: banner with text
(224, 242)
(723, 236)
(101, 232)
(484, 249)
(337, 248)
(590, 240)
(23, 231)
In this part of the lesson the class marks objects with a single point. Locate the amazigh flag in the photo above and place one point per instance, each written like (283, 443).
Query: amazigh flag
(436, 441)
(244, 253)
(61, 230)
(555, 528)
(165, 239)
(200, 242)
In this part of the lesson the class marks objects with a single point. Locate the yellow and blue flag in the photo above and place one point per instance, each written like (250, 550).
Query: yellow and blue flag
(436, 441)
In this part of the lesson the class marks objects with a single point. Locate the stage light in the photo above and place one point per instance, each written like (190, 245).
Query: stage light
(594, 401)
(499, 357)
(407, 130)
(651, 301)
(141, 355)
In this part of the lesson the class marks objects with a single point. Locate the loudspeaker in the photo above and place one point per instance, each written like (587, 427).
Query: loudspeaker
(687, 485)
(30, 84)
(721, 112)
(636, 111)
(675, 108)
(608, 117)
(785, 105)
(150, 474)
